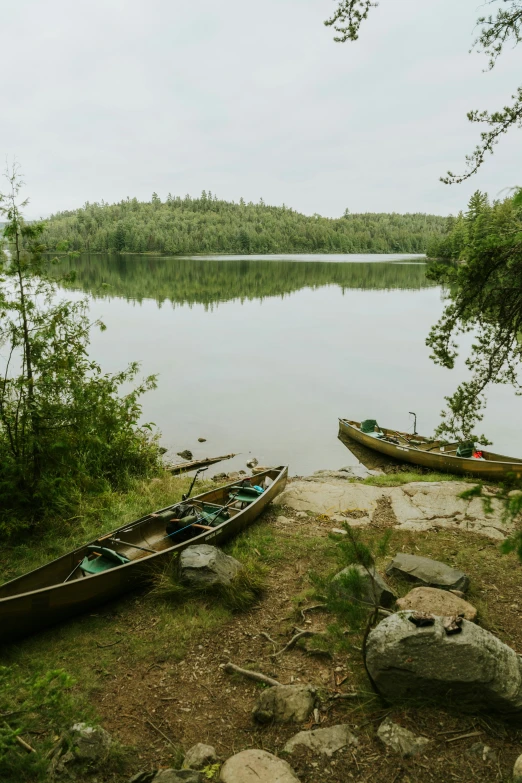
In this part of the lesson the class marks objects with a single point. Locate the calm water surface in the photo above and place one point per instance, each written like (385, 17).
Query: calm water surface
(261, 354)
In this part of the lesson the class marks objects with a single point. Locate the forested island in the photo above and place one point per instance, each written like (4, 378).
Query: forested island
(181, 226)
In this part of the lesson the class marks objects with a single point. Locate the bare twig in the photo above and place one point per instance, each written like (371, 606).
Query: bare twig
(102, 646)
(150, 723)
(231, 668)
(25, 745)
(465, 736)
(267, 636)
(293, 641)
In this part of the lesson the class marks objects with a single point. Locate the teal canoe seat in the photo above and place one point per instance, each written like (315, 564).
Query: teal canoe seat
(368, 426)
(107, 558)
(466, 449)
(245, 493)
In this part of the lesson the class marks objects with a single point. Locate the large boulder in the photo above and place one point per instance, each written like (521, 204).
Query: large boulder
(202, 565)
(284, 704)
(199, 756)
(256, 766)
(326, 741)
(430, 573)
(470, 670)
(434, 601)
(401, 740)
(373, 588)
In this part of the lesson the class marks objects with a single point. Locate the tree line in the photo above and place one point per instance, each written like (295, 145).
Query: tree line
(184, 226)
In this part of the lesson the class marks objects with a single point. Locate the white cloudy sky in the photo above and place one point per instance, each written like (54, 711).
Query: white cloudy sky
(103, 99)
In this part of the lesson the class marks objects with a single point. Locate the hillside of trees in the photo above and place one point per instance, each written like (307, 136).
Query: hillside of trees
(210, 225)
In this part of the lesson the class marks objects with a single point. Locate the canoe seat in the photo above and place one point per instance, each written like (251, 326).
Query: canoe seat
(466, 449)
(107, 558)
(368, 426)
(245, 493)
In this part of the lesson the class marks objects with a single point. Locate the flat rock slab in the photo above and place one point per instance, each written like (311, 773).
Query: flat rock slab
(439, 602)
(401, 740)
(420, 505)
(326, 741)
(256, 766)
(471, 670)
(373, 589)
(203, 565)
(430, 573)
(284, 704)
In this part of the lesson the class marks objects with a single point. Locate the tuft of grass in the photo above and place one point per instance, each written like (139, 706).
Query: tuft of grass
(243, 591)
(407, 477)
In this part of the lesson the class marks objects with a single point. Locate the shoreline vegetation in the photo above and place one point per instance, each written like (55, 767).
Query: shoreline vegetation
(187, 226)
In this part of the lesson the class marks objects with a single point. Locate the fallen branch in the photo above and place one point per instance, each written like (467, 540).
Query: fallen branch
(311, 609)
(231, 668)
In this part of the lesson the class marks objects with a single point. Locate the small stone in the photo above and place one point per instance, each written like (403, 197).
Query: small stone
(400, 739)
(515, 493)
(202, 440)
(91, 743)
(202, 565)
(301, 515)
(517, 771)
(339, 531)
(199, 756)
(374, 590)
(284, 704)
(185, 454)
(256, 766)
(326, 741)
(431, 573)
(440, 602)
(283, 520)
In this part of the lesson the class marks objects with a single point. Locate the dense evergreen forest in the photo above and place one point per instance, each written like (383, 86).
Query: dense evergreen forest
(211, 225)
(201, 281)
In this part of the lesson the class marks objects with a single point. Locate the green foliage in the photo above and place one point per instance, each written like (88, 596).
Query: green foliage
(495, 32)
(344, 593)
(484, 297)
(211, 225)
(37, 707)
(65, 427)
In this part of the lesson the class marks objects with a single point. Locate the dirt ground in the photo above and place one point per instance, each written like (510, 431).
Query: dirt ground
(157, 704)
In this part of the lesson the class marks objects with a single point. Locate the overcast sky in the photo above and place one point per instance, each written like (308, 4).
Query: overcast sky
(112, 98)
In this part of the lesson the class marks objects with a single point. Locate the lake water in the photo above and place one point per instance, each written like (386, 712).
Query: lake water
(260, 355)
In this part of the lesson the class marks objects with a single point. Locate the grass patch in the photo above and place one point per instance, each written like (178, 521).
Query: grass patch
(406, 477)
(95, 517)
(243, 591)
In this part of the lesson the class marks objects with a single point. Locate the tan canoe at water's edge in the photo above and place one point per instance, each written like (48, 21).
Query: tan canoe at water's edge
(432, 454)
(58, 590)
